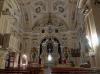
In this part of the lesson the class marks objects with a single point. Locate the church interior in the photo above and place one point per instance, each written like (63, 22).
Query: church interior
(49, 36)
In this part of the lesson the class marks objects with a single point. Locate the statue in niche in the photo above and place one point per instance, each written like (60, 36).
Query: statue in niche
(33, 55)
(65, 59)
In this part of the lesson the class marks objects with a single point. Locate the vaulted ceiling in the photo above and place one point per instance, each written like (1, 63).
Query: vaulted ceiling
(36, 13)
(32, 15)
(65, 18)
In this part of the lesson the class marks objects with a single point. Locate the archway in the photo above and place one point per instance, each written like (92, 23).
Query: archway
(50, 45)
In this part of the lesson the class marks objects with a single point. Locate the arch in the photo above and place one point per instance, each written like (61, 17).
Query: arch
(59, 48)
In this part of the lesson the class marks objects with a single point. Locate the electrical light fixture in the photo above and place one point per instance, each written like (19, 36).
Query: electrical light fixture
(49, 57)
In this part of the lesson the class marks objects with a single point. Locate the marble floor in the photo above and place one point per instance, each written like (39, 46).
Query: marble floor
(47, 70)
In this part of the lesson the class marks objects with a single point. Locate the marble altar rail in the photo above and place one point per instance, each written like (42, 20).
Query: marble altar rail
(74, 71)
(53, 71)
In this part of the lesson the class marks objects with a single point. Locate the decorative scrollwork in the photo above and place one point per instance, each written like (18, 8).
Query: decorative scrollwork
(40, 6)
(59, 5)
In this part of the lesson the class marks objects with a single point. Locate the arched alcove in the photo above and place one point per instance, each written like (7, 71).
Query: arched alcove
(50, 45)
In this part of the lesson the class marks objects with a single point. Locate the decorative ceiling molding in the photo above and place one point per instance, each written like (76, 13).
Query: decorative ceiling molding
(36, 11)
(56, 22)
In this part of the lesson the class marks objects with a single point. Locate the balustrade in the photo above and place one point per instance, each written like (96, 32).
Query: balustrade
(56, 70)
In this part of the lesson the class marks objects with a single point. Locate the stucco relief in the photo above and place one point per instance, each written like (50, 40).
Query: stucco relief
(59, 6)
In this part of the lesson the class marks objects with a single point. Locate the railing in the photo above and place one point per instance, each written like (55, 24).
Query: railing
(22, 71)
(13, 71)
(74, 71)
(53, 71)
